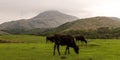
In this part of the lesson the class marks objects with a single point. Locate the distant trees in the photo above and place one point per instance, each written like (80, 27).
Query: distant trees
(99, 33)
(14, 31)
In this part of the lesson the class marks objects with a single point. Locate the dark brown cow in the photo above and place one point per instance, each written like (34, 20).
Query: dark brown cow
(49, 39)
(81, 38)
(65, 40)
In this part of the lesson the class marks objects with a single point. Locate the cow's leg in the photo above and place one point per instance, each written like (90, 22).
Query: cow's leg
(82, 42)
(67, 50)
(86, 42)
(78, 42)
(58, 49)
(54, 49)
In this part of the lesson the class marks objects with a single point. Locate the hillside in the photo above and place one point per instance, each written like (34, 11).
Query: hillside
(81, 24)
(47, 19)
(91, 24)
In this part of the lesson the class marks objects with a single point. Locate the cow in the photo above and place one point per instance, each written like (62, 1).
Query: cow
(81, 38)
(65, 40)
(49, 39)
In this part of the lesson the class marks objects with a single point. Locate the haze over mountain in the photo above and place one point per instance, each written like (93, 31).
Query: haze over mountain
(47, 19)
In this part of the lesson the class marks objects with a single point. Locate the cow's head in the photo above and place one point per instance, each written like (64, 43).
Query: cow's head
(76, 49)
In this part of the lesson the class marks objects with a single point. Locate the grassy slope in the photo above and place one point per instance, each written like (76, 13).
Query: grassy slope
(93, 23)
(99, 49)
(90, 23)
(81, 24)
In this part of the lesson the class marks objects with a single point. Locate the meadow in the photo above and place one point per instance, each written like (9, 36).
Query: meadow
(27, 47)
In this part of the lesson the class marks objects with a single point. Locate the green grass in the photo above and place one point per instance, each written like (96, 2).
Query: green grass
(23, 38)
(35, 48)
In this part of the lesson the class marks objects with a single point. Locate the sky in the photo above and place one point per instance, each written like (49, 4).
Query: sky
(11, 10)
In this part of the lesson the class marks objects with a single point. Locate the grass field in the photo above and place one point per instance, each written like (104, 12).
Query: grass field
(35, 48)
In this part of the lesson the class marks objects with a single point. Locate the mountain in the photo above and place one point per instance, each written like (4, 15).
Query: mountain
(47, 19)
(115, 18)
(92, 23)
(51, 19)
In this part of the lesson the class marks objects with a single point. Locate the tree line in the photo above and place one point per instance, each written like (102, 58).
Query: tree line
(99, 33)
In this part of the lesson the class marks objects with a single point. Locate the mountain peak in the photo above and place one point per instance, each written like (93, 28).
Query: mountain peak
(52, 14)
(51, 11)
(47, 19)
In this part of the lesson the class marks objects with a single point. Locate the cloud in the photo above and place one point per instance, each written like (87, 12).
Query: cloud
(20, 9)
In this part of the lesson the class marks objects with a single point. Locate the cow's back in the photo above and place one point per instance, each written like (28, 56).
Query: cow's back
(80, 38)
(64, 39)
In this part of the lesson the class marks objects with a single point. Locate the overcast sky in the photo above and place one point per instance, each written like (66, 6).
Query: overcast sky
(25, 9)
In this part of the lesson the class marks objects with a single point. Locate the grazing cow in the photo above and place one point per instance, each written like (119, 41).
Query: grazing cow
(65, 40)
(49, 38)
(81, 38)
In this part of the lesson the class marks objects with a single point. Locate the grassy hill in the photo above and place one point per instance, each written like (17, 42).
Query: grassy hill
(81, 24)
(91, 24)
(47, 19)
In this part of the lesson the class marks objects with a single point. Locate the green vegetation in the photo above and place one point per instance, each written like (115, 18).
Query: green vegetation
(101, 33)
(23, 38)
(35, 48)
